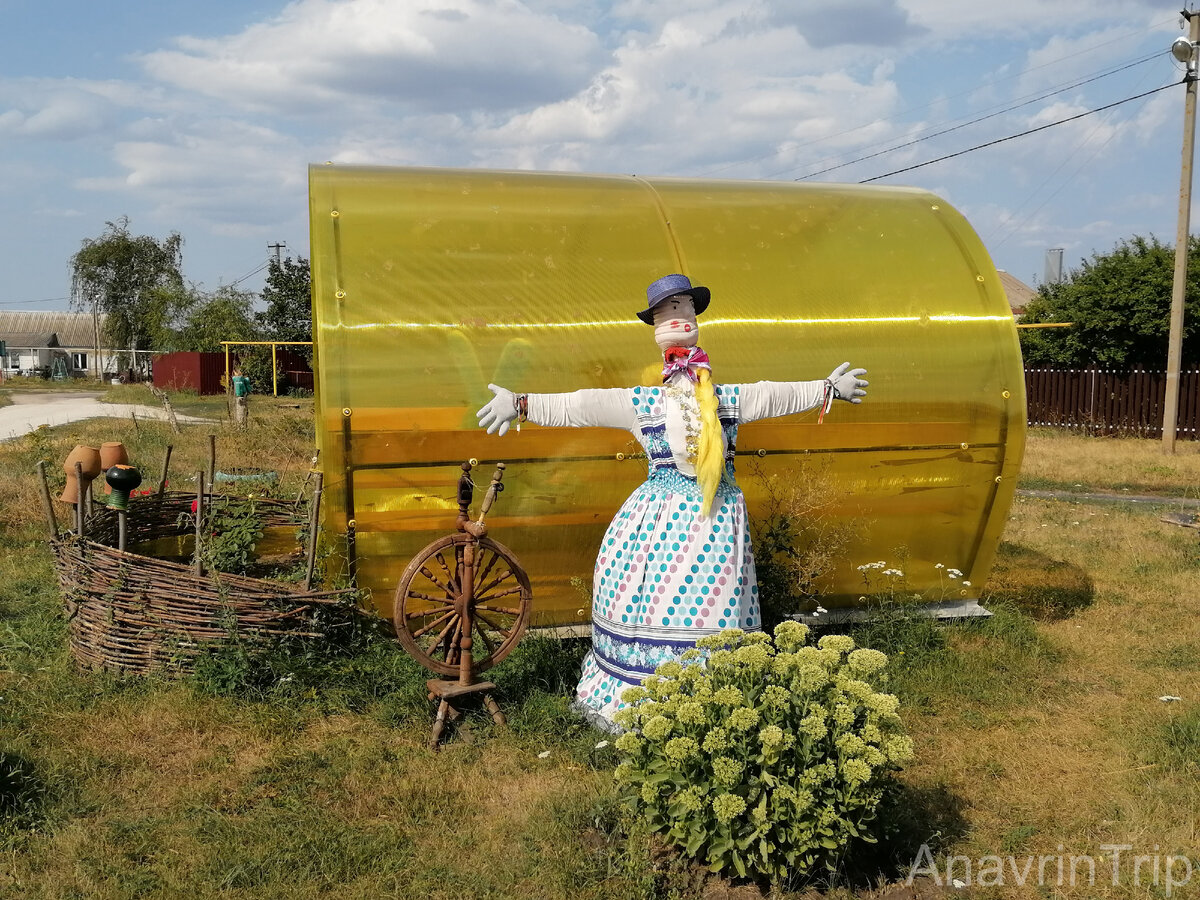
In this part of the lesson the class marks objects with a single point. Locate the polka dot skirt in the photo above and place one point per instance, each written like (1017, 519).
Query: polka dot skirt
(665, 577)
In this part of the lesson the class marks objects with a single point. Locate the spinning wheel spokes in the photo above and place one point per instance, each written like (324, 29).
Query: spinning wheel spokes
(429, 604)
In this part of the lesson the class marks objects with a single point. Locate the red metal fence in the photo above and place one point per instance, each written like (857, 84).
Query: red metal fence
(1101, 401)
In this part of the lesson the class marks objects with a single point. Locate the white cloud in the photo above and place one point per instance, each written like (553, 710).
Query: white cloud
(956, 19)
(217, 131)
(227, 173)
(53, 110)
(419, 55)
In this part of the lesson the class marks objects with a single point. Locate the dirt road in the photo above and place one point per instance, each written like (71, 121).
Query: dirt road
(30, 409)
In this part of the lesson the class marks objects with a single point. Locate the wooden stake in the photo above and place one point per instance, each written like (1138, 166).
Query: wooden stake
(199, 565)
(312, 469)
(314, 518)
(47, 502)
(162, 485)
(80, 497)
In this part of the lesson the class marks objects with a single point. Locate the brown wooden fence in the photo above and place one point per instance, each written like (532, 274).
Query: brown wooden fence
(1101, 401)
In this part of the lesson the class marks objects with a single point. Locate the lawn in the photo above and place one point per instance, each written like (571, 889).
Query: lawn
(1038, 732)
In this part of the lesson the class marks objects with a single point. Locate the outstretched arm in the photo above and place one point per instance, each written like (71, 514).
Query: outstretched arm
(768, 399)
(602, 408)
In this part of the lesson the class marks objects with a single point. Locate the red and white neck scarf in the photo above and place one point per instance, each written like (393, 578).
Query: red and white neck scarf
(687, 360)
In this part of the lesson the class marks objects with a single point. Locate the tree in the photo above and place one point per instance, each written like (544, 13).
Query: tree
(1120, 305)
(288, 296)
(134, 281)
(226, 314)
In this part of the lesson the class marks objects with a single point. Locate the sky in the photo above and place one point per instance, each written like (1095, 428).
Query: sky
(203, 118)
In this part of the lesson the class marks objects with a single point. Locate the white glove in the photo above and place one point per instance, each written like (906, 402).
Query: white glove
(848, 385)
(499, 412)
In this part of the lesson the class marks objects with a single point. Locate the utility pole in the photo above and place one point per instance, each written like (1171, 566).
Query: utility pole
(277, 247)
(1183, 49)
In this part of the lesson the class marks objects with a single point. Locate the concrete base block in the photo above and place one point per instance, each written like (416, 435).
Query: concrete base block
(947, 610)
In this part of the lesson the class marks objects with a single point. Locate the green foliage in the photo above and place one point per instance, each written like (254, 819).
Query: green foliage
(22, 793)
(1119, 303)
(769, 760)
(288, 296)
(255, 363)
(355, 664)
(234, 528)
(226, 314)
(798, 538)
(134, 281)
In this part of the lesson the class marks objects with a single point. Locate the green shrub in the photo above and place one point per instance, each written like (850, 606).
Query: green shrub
(234, 530)
(770, 757)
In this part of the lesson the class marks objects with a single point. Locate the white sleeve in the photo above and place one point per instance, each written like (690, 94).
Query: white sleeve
(768, 399)
(596, 407)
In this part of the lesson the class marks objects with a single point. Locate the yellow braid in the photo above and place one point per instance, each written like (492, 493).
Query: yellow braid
(710, 456)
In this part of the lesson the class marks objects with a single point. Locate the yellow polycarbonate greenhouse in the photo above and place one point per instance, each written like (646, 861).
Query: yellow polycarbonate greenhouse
(430, 283)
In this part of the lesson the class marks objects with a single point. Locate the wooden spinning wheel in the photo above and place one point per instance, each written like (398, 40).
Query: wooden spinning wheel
(429, 599)
(462, 605)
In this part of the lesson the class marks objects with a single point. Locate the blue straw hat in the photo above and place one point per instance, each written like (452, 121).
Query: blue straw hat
(672, 286)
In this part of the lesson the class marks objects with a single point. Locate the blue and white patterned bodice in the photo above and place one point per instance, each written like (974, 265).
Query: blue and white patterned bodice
(649, 405)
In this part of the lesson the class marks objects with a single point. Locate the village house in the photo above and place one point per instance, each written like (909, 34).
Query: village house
(54, 344)
(1018, 292)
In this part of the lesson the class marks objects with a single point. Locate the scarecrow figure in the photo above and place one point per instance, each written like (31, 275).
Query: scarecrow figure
(241, 398)
(676, 563)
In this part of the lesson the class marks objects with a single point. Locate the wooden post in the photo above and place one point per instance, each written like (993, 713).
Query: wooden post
(199, 565)
(79, 499)
(348, 497)
(162, 485)
(314, 518)
(312, 469)
(122, 524)
(47, 502)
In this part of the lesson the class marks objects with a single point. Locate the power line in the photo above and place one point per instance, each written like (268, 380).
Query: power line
(26, 302)
(1014, 224)
(979, 119)
(262, 266)
(1011, 137)
(971, 90)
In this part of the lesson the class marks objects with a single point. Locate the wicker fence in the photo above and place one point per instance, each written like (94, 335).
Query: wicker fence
(1101, 401)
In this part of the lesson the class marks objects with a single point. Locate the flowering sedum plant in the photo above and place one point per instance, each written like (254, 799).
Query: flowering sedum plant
(758, 756)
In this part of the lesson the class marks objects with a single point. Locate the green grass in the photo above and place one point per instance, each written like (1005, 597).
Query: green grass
(304, 772)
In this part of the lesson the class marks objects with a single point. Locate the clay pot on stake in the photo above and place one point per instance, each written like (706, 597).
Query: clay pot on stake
(112, 453)
(85, 461)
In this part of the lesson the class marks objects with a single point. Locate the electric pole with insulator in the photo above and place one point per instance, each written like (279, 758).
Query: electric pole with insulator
(1184, 50)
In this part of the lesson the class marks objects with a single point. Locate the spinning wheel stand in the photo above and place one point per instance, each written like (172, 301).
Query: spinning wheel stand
(459, 588)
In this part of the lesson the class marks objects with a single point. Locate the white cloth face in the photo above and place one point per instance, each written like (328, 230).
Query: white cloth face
(675, 323)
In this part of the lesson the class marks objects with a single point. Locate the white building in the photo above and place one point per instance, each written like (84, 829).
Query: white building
(60, 344)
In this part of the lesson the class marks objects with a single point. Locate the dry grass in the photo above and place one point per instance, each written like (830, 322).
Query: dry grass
(1068, 461)
(1039, 728)
(281, 439)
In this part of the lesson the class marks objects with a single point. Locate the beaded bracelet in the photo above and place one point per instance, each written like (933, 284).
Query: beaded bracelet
(521, 404)
(829, 392)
